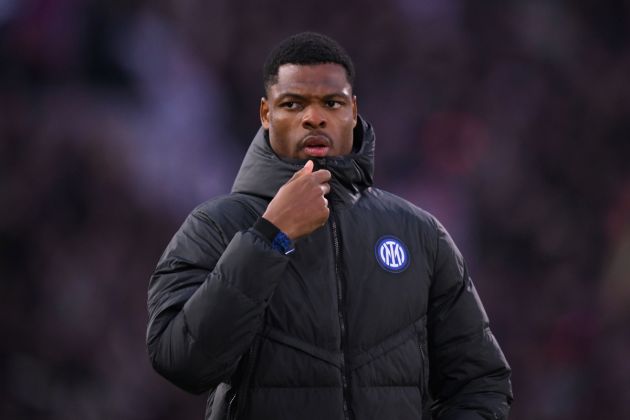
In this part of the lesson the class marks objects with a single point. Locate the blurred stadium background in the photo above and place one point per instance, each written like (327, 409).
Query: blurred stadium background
(510, 121)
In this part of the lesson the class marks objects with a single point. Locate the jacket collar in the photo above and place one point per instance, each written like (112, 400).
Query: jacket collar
(263, 172)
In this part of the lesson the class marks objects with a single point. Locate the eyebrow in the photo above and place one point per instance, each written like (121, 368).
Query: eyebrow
(291, 95)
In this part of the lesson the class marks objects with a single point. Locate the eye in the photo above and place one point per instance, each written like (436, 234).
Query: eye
(333, 104)
(290, 105)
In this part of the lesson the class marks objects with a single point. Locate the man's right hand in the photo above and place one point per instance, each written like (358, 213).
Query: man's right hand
(300, 207)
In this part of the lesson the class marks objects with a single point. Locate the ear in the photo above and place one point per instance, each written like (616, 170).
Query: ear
(264, 113)
(355, 111)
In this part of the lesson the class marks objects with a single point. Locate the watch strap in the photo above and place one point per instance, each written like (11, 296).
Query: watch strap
(279, 240)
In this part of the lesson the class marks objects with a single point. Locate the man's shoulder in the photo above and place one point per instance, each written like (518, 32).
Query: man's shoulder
(390, 202)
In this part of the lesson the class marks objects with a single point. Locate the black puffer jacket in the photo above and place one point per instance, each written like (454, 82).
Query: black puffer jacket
(373, 316)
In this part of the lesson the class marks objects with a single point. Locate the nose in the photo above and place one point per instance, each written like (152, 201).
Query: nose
(314, 118)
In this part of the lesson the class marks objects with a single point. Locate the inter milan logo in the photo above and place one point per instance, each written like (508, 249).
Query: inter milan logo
(391, 254)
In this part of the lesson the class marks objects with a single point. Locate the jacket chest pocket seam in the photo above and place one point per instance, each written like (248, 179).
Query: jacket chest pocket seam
(423, 381)
(424, 370)
(240, 395)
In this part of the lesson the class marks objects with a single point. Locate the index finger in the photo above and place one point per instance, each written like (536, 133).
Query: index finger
(322, 175)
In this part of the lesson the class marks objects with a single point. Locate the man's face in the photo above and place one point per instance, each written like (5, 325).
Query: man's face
(310, 112)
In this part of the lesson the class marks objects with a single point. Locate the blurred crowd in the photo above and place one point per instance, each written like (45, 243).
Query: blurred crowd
(509, 121)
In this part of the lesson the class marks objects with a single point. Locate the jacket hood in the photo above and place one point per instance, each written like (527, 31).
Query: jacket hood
(263, 172)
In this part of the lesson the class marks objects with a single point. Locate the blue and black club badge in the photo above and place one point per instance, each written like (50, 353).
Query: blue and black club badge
(392, 254)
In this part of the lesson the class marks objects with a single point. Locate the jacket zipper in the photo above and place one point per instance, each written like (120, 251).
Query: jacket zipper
(340, 313)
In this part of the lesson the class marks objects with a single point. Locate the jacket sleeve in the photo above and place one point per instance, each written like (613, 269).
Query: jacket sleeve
(469, 376)
(206, 301)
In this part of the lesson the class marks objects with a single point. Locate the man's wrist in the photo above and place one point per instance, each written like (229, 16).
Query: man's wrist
(278, 239)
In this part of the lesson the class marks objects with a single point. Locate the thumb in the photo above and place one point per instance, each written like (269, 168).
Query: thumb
(306, 169)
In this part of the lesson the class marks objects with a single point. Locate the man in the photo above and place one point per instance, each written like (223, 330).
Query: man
(308, 294)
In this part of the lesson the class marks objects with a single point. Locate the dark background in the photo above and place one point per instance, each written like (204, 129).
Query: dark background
(509, 121)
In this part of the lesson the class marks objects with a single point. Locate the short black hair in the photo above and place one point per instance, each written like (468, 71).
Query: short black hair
(306, 48)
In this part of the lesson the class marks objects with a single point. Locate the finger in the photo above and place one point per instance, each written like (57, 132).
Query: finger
(322, 175)
(306, 169)
(325, 187)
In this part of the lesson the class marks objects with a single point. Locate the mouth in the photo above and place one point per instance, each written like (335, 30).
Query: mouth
(316, 145)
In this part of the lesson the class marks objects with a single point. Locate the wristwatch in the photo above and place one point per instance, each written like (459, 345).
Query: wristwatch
(281, 242)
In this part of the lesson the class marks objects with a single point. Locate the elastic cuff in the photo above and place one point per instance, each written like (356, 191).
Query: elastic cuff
(266, 228)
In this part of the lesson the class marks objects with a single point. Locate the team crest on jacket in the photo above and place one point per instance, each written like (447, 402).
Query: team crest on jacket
(391, 254)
